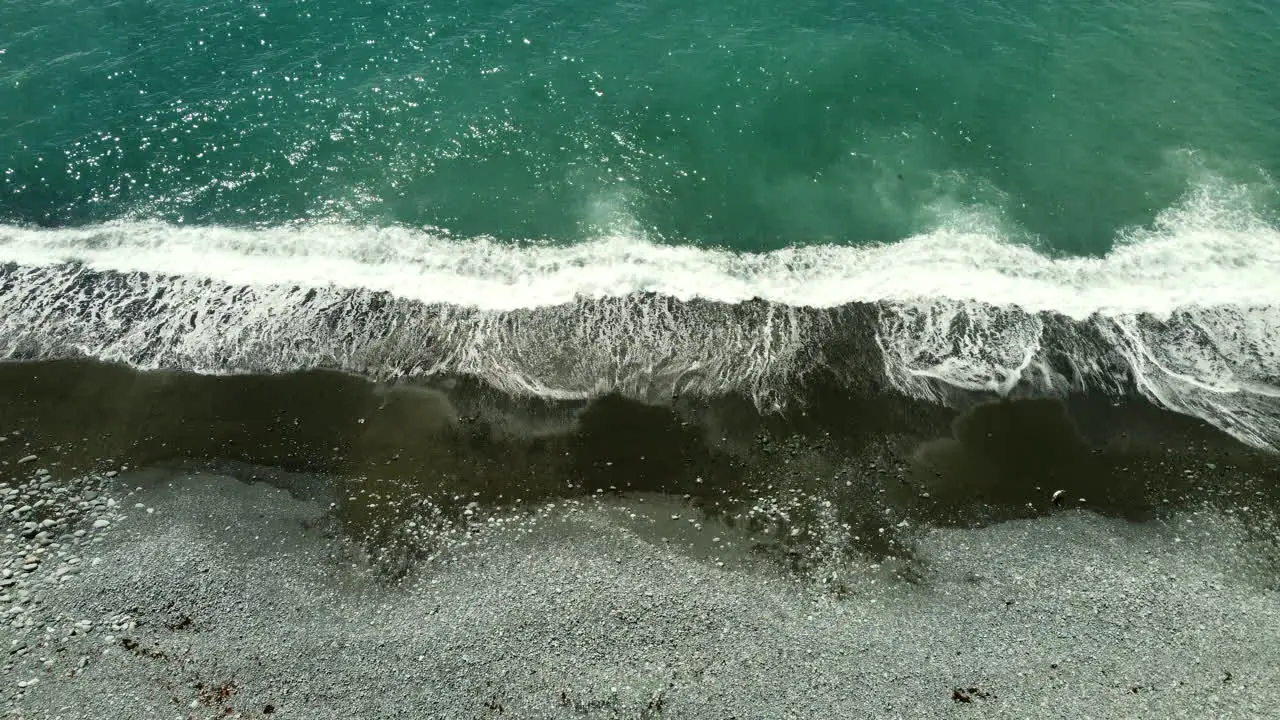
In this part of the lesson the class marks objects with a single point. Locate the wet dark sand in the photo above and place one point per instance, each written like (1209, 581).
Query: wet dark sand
(860, 447)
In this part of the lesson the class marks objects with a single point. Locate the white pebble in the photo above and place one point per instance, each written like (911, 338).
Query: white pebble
(100, 523)
(27, 459)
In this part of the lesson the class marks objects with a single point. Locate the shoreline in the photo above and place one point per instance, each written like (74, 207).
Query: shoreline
(326, 546)
(876, 463)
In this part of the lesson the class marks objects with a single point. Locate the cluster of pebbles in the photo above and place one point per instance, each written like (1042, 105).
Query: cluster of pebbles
(49, 526)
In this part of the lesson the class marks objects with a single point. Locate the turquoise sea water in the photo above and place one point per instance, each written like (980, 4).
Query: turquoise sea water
(748, 126)
(568, 199)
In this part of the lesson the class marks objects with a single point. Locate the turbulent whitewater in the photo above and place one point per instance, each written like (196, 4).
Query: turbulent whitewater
(1185, 313)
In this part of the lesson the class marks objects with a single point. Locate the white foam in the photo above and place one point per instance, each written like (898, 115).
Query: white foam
(1180, 262)
(1187, 310)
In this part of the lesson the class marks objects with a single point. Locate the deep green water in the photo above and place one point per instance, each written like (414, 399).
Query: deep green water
(746, 125)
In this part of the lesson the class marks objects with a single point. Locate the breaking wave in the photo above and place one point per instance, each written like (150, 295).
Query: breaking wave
(1185, 313)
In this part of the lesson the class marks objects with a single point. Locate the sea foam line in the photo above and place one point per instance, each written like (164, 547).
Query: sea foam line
(1180, 262)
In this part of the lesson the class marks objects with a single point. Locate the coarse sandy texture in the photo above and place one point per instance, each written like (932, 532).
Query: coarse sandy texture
(216, 598)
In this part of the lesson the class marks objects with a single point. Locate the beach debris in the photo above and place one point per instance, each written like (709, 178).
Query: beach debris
(968, 695)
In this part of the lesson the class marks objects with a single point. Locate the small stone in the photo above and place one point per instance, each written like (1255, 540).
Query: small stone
(27, 459)
(111, 473)
(28, 683)
(100, 523)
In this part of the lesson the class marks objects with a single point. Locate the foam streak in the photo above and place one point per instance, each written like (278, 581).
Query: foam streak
(1187, 314)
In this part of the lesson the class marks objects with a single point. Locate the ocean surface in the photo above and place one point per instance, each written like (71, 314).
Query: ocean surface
(566, 200)
(1067, 126)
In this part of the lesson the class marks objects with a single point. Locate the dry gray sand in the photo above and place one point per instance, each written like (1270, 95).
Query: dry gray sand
(203, 596)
